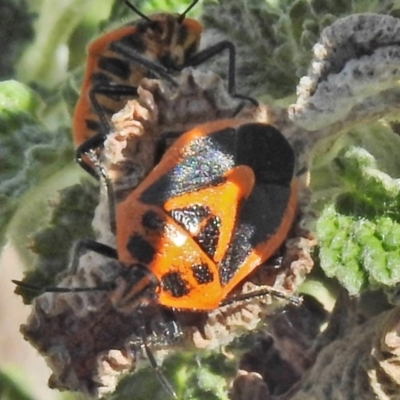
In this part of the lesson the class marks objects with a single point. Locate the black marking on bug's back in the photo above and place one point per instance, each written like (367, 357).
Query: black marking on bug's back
(259, 217)
(99, 78)
(263, 148)
(135, 40)
(202, 274)
(140, 249)
(190, 217)
(267, 152)
(173, 283)
(209, 236)
(115, 66)
(236, 254)
(151, 220)
(205, 161)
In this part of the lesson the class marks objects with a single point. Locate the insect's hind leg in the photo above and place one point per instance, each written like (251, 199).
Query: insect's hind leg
(214, 50)
(96, 141)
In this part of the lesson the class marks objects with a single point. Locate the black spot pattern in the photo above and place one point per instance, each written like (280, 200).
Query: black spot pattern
(99, 78)
(151, 220)
(202, 274)
(135, 41)
(173, 283)
(140, 249)
(209, 236)
(115, 66)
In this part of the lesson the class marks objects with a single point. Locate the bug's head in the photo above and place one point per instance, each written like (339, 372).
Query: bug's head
(172, 38)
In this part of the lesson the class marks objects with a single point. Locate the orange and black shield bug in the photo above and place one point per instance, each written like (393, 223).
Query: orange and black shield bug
(220, 203)
(158, 45)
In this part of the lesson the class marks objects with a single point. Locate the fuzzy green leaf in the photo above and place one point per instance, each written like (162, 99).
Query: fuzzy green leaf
(359, 234)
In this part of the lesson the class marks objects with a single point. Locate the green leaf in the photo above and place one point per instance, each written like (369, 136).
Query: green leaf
(360, 232)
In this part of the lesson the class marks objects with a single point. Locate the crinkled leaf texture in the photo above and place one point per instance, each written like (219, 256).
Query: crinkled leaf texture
(360, 232)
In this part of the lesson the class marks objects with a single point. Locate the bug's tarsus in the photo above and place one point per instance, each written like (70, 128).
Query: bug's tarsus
(93, 142)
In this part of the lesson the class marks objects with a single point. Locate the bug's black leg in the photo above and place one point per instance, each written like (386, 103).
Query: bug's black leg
(81, 247)
(161, 377)
(101, 172)
(91, 162)
(150, 356)
(90, 144)
(96, 141)
(214, 50)
(266, 290)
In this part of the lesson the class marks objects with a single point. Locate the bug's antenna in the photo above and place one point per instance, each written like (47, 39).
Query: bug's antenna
(183, 15)
(137, 11)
